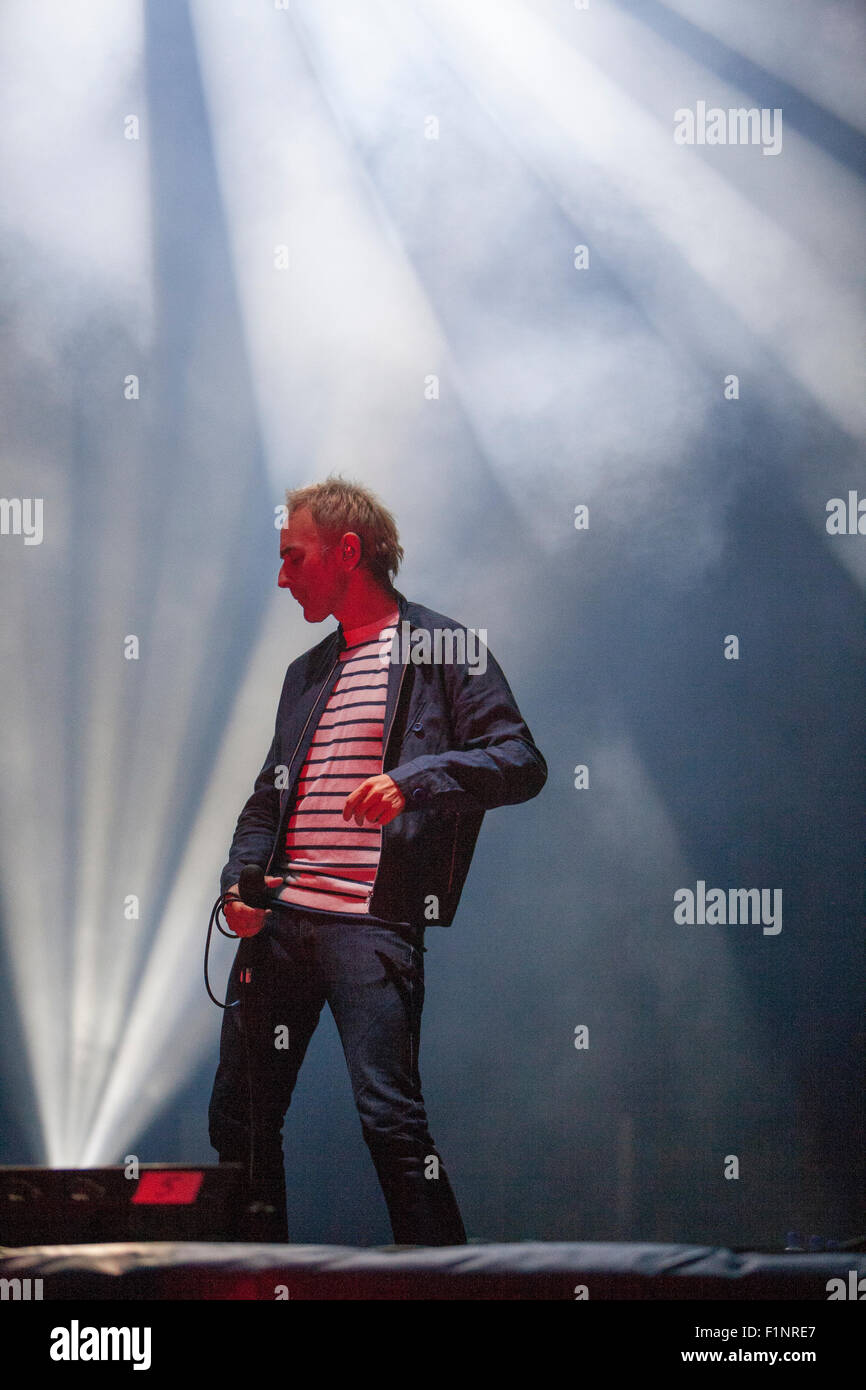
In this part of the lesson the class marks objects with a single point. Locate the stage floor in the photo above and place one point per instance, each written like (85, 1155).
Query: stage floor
(518, 1270)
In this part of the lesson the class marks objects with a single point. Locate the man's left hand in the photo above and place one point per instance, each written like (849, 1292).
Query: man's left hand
(377, 800)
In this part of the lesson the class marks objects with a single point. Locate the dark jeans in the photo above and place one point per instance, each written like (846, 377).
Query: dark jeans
(372, 977)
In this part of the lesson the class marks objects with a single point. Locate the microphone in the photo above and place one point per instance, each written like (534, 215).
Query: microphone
(252, 887)
(254, 892)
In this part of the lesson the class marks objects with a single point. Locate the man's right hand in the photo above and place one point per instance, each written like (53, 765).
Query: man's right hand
(244, 920)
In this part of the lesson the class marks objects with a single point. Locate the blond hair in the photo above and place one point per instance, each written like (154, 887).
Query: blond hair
(337, 506)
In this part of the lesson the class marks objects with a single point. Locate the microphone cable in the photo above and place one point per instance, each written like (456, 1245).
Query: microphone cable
(218, 911)
(252, 891)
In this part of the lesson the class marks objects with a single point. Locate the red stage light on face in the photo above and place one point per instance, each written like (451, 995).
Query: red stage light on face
(168, 1189)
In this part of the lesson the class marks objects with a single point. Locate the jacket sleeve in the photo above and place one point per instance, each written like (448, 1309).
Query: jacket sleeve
(257, 823)
(494, 761)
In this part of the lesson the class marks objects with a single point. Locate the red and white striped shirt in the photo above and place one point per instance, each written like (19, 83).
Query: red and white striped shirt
(330, 863)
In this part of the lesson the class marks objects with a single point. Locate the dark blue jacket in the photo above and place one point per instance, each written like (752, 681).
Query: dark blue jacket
(455, 744)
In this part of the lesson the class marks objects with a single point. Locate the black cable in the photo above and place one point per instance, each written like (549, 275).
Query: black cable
(242, 1003)
(218, 907)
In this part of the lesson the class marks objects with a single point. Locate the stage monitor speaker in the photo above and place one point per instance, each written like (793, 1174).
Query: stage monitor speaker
(78, 1206)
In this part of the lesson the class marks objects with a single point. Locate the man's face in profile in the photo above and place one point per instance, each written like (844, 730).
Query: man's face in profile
(310, 570)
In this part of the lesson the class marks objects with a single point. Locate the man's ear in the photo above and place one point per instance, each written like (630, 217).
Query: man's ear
(351, 541)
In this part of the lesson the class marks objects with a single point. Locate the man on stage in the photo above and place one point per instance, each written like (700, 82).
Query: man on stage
(393, 736)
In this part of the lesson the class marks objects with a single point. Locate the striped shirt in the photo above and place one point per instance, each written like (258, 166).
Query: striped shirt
(329, 863)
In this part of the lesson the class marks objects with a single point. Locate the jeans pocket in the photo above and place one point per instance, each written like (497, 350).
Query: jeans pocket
(414, 959)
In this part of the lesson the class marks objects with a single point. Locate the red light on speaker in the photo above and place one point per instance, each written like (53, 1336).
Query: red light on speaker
(167, 1189)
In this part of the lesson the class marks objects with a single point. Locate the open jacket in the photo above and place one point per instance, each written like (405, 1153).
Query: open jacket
(455, 744)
